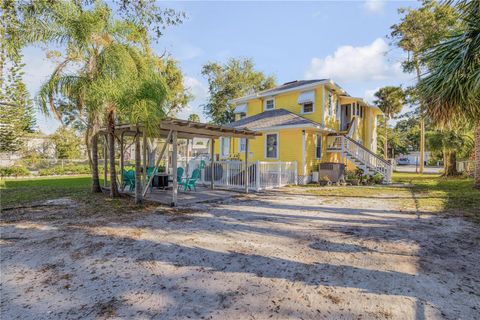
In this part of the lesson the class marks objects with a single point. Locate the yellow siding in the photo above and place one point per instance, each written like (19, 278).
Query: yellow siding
(291, 141)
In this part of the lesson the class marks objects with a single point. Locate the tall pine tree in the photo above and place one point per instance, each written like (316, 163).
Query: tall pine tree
(16, 108)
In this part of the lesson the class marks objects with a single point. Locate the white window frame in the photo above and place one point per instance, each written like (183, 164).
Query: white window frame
(265, 145)
(242, 142)
(316, 146)
(265, 104)
(222, 145)
(313, 107)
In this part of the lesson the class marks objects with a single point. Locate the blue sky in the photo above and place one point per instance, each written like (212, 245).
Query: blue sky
(342, 40)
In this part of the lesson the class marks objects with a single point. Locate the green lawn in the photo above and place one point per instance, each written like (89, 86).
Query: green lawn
(455, 195)
(20, 191)
(425, 193)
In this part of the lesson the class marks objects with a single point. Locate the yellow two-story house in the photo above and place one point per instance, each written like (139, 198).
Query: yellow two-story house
(309, 122)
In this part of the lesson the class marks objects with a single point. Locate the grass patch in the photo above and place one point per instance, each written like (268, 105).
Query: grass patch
(20, 191)
(423, 193)
(440, 194)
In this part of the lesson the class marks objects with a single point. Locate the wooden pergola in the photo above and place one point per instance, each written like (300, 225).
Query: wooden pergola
(172, 130)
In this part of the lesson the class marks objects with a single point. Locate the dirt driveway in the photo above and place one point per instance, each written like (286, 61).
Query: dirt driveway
(280, 256)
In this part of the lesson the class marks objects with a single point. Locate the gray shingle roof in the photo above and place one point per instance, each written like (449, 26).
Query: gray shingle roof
(272, 118)
(291, 85)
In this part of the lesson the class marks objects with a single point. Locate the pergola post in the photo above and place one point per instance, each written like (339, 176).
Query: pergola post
(186, 157)
(105, 162)
(121, 161)
(212, 163)
(144, 175)
(174, 168)
(138, 165)
(247, 175)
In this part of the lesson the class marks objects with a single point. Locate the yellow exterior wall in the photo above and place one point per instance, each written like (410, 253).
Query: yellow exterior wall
(290, 141)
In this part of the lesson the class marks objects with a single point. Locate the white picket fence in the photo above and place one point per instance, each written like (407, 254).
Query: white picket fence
(230, 174)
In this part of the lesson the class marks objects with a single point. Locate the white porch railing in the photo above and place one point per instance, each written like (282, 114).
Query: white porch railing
(361, 156)
(230, 174)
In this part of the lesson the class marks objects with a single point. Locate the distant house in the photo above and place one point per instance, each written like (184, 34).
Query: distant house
(310, 122)
(38, 143)
(414, 157)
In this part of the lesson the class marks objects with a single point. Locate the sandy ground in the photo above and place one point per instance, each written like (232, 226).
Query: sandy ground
(275, 256)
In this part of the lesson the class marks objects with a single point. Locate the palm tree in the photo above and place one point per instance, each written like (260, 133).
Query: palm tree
(390, 100)
(451, 144)
(98, 44)
(451, 87)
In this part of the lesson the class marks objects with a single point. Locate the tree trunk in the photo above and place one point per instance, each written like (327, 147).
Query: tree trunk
(111, 143)
(385, 144)
(477, 156)
(422, 120)
(450, 164)
(138, 168)
(95, 178)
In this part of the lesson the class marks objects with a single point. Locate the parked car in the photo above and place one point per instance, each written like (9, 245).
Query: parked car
(403, 161)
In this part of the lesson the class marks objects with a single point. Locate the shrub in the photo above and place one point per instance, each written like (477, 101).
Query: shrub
(65, 170)
(14, 171)
(377, 178)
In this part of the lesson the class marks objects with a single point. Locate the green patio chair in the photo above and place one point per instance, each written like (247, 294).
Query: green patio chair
(180, 172)
(129, 179)
(191, 182)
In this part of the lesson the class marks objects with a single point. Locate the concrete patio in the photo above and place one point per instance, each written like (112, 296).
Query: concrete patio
(185, 198)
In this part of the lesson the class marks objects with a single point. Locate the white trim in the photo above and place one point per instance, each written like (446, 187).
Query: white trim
(294, 126)
(265, 145)
(323, 105)
(267, 93)
(303, 153)
(265, 103)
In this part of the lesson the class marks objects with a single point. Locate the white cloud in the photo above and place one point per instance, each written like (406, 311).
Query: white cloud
(375, 6)
(350, 64)
(200, 94)
(369, 95)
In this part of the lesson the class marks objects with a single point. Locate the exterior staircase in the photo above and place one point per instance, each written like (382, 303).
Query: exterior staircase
(362, 157)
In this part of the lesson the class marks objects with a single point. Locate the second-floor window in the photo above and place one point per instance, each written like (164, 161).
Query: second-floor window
(307, 107)
(269, 104)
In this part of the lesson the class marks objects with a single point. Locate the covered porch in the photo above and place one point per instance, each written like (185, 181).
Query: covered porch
(166, 136)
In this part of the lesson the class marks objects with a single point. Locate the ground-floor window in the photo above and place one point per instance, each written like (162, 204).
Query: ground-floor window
(224, 146)
(271, 145)
(318, 146)
(242, 145)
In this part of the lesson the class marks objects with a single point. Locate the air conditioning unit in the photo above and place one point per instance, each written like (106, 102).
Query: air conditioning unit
(334, 171)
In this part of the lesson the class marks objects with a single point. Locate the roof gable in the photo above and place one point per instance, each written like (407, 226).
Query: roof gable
(274, 118)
